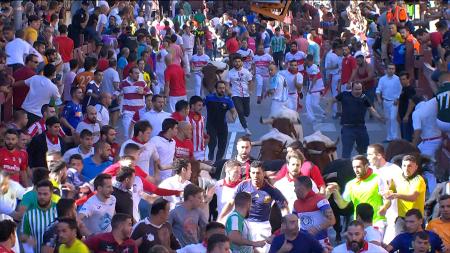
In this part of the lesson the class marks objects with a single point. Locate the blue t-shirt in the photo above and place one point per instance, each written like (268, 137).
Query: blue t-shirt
(403, 242)
(262, 200)
(122, 62)
(91, 170)
(399, 54)
(304, 243)
(73, 114)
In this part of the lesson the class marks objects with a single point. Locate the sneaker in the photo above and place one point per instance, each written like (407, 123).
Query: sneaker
(247, 131)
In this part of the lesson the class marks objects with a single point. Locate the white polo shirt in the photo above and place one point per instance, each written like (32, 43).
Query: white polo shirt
(102, 114)
(166, 152)
(148, 153)
(172, 183)
(389, 87)
(16, 51)
(224, 194)
(41, 91)
(94, 128)
(155, 119)
(331, 59)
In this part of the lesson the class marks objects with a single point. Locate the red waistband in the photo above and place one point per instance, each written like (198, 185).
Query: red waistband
(432, 139)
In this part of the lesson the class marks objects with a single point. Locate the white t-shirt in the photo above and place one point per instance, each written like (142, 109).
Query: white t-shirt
(172, 183)
(41, 91)
(110, 76)
(188, 41)
(166, 152)
(148, 153)
(239, 82)
(155, 119)
(94, 128)
(288, 190)
(102, 19)
(424, 119)
(279, 84)
(373, 235)
(314, 71)
(160, 66)
(98, 214)
(77, 150)
(389, 87)
(290, 80)
(16, 51)
(199, 61)
(331, 59)
(247, 57)
(224, 194)
(136, 191)
(262, 63)
(102, 114)
(299, 57)
(8, 200)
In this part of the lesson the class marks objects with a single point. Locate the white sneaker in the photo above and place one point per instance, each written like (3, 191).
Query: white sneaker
(247, 132)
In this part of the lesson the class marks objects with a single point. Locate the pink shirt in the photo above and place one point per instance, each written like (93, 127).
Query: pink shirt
(302, 44)
(176, 52)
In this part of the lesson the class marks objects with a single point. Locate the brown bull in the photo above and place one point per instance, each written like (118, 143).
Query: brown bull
(319, 153)
(397, 147)
(272, 149)
(285, 126)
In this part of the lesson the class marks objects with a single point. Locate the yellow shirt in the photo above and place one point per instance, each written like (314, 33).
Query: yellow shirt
(30, 34)
(77, 247)
(441, 228)
(403, 186)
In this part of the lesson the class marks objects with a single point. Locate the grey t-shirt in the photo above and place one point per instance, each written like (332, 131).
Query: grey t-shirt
(187, 224)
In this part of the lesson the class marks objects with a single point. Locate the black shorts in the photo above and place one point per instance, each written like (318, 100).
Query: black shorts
(114, 106)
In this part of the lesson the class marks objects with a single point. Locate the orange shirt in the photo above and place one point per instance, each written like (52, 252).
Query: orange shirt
(441, 228)
(83, 78)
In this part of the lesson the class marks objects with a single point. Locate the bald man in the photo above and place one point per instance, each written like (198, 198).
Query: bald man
(90, 123)
(277, 89)
(102, 108)
(184, 147)
(175, 82)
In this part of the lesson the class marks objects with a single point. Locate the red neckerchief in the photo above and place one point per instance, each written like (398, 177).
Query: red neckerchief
(247, 169)
(232, 184)
(3, 249)
(52, 138)
(87, 120)
(294, 52)
(294, 72)
(369, 172)
(364, 248)
(289, 178)
(137, 141)
(310, 194)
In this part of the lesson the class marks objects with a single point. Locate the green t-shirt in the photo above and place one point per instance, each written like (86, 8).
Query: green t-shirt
(236, 222)
(365, 191)
(30, 201)
(443, 101)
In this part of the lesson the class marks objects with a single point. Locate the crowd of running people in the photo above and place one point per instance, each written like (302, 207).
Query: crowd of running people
(102, 150)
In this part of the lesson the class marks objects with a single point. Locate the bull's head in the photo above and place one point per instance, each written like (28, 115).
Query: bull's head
(320, 153)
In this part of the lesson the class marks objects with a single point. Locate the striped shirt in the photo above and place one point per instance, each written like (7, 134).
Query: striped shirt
(39, 127)
(198, 130)
(299, 56)
(132, 101)
(35, 221)
(278, 44)
(235, 222)
(262, 63)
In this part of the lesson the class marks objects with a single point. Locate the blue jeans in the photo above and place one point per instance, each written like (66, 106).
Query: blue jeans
(406, 130)
(352, 134)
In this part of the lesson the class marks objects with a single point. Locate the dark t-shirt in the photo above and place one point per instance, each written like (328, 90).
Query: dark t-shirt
(403, 242)
(403, 102)
(304, 243)
(353, 108)
(124, 201)
(153, 235)
(216, 108)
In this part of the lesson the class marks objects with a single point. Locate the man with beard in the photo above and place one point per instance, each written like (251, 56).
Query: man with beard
(90, 123)
(95, 164)
(67, 232)
(13, 160)
(217, 105)
(261, 62)
(85, 149)
(348, 65)
(365, 188)
(294, 81)
(294, 240)
(226, 187)
(237, 226)
(297, 56)
(263, 195)
(37, 219)
(413, 224)
(355, 241)
(108, 135)
(97, 212)
(118, 240)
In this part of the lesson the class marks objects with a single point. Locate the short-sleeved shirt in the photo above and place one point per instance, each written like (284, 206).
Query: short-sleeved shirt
(408, 93)
(73, 114)
(153, 234)
(187, 224)
(404, 186)
(262, 200)
(36, 220)
(239, 80)
(443, 97)
(91, 170)
(404, 242)
(91, 88)
(236, 222)
(441, 228)
(93, 127)
(310, 212)
(13, 162)
(303, 243)
(98, 214)
(82, 79)
(41, 91)
(77, 247)
(106, 243)
(353, 108)
(217, 108)
(366, 190)
(174, 75)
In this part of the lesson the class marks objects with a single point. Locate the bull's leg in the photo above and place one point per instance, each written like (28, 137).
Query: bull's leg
(265, 121)
(299, 130)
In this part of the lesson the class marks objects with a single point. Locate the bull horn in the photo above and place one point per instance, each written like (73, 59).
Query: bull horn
(337, 141)
(256, 143)
(314, 152)
(205, 167)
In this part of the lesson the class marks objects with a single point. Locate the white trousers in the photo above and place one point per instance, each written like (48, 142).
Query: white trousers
(174, 100)
(200, 155)
(429, 148)
(277, 105)
(292, 101)
(260, 231)
(261, 83)
(312, 104)
(198, 77)
(334, 84)
(390, 114)
(187, 60)
(127, 116)
(160, 83)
